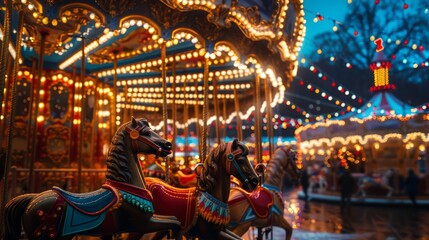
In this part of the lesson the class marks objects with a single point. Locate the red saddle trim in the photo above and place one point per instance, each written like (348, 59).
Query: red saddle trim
(260, 200)
(172, 201)
(185, 179)
(138, 191)
(115, 200)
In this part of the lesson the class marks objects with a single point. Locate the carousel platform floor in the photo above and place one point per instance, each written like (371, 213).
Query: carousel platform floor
(422, 200)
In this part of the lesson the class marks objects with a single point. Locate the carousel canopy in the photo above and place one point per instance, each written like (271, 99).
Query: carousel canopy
(381, 104)
(136, 44)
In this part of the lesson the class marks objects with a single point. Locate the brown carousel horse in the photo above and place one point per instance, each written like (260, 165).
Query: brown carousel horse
(121, 205)
(264, 206)
(203, 210)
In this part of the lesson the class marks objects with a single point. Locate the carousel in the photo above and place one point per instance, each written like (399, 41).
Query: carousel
(385, 136)
(79, 76)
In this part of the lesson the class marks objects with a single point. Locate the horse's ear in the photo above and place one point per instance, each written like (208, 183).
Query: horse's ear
(235, 143)
(133, 122)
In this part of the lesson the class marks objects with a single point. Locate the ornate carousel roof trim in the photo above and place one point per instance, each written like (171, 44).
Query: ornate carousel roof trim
(248, 19)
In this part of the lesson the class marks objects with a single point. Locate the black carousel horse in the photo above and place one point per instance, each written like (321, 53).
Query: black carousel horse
(203, 210)
(121, 205)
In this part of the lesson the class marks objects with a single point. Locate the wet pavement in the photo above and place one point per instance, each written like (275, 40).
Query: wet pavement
(317, 220)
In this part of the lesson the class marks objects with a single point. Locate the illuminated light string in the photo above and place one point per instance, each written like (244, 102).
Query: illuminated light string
(405, 42)
(335, 84)
(412, 64)
(306, 145)
(228, 120)
(330, 98)
(341, 123)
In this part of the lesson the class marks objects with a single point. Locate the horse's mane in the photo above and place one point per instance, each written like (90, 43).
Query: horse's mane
(276, 168)
(117, 162)
(207, 179)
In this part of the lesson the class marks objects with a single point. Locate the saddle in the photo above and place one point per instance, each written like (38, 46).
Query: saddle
(86, 211)
(90, 203)
(179, 202)
(186, 179)
(260, 200)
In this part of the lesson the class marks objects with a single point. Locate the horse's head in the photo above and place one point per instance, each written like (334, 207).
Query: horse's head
(291, 167)
(145, 140)
(237, 164)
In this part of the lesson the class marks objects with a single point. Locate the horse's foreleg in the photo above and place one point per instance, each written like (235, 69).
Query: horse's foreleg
(279, 221)
(241, 229)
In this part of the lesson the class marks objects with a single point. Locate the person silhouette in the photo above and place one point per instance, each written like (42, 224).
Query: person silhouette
(347, 187)
(412, 186)
(305, 183)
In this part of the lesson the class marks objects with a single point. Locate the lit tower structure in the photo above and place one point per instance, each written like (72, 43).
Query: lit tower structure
(380, 67)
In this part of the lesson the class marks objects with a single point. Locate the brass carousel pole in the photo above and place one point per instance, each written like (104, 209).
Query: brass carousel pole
(258, 140)
(237, 115)
(7, 91)
(31, 114)
(13, 106)
(185, 122)
(174, 109)
(224, 118)
(125, 112)
(205, 109)
(164, 105)
(197, 124)
(94, 125)
(36, 111)
(269, 116)
(72, 132)
(115, 90)
(82, 118)
(216, 108)
(5, 49)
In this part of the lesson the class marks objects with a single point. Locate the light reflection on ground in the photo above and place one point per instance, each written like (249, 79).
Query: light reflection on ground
(315, 220)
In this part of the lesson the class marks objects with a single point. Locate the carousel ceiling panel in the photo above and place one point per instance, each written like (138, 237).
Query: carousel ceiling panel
(239, 40)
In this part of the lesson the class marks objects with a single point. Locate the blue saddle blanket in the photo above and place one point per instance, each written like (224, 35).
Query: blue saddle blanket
(85, 211)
